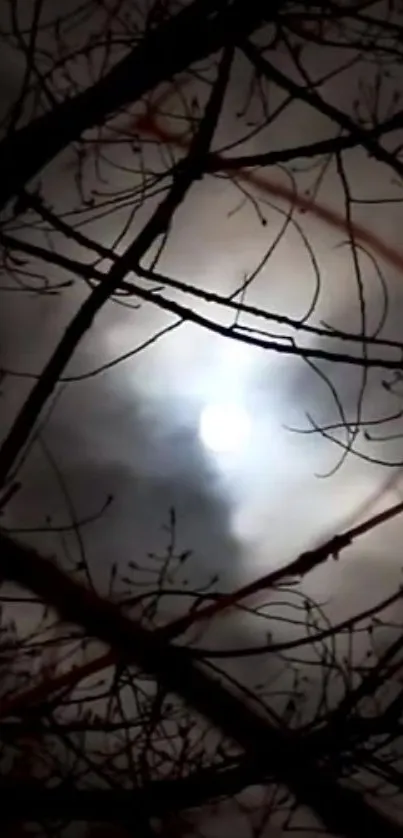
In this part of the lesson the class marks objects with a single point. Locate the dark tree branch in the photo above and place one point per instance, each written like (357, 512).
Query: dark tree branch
(117, 805)
(342, 810)
(87, 272)
(218, 163)
(194, 33)
(184, 175)
(361, 137)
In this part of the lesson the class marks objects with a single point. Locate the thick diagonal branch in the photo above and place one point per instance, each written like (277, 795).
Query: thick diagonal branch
(342, 810)
(184, 175)
(197, 31)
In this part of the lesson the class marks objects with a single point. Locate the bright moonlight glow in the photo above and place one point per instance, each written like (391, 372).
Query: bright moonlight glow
(224, 427)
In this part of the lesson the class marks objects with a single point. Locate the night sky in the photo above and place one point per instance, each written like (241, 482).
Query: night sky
(133, 431)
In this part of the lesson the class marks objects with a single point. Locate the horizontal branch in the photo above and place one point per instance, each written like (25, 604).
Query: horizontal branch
(122, 805)
(280, 346)
(87, 272)
(263, 314)
(342, 810)
(309, 96)
(307, 640)
(298, 568)
(333, 145)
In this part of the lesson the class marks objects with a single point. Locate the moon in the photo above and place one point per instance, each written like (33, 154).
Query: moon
(224, 428)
